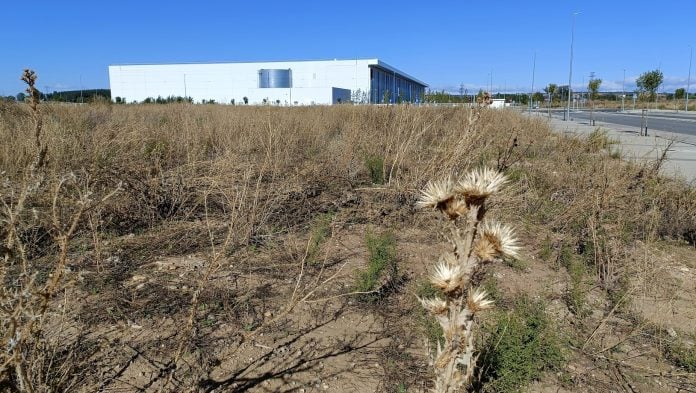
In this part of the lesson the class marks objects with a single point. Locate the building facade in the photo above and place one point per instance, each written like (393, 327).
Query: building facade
(279, 83)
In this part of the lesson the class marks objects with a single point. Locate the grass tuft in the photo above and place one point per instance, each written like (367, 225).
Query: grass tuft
(599, 140)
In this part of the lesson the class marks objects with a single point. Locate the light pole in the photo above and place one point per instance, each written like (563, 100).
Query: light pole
(688, 81)
(531, 94)
(623, 91)
(570, 73)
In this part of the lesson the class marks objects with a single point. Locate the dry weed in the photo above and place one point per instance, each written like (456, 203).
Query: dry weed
(239, 187)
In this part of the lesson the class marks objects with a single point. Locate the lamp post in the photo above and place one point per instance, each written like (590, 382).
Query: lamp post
(623, 91)
(688, 81)
(570, 73)
(531, 95)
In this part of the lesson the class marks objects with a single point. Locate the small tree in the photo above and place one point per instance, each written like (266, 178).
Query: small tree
(246, 100)
(550, 90)
(593, 87)
(524, 99)
(648, 83)
(680, 93)
(386, 97)
(538, 96)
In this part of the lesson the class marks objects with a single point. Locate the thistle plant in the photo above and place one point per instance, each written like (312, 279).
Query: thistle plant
(475, 241)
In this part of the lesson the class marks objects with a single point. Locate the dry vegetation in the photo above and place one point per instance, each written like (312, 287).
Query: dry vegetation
(214, 248)
(662, 104)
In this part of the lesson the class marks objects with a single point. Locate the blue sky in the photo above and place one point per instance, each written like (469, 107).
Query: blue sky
(444, 43)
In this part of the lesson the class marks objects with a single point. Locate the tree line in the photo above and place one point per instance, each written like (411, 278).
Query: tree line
(76, 96)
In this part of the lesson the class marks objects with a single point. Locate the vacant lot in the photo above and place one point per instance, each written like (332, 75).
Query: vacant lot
(216, 248)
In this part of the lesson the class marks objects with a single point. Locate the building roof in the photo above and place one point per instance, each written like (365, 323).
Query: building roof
(389, 68)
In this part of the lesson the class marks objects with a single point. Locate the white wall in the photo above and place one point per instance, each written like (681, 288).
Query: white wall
(497, 103)
(312, 81)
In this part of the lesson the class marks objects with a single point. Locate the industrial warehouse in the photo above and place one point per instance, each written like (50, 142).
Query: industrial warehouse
(322, 82)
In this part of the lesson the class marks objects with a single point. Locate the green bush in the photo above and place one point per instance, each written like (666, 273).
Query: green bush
(575, 295)
(381, 261)
(375, 167)
(521, 344)
(319, 231)
(682, 355)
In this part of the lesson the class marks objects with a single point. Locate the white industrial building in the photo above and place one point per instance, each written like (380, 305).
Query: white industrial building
(277, 83)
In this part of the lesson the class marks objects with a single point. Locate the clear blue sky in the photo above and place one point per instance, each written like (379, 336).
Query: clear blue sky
(443, 43)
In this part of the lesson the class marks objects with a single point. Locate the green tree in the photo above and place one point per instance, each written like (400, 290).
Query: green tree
(550, 91)
(386, 97)
(538, 97)
(680, 93)
(593, 88)
(524, 99)
(648, 82)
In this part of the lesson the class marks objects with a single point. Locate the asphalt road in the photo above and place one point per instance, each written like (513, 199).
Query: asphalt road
(657, 121)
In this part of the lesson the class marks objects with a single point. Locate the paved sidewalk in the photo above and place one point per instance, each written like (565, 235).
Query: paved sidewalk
(681, 156)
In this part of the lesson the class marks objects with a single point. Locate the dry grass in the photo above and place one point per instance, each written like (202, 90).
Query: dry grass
(218, 205)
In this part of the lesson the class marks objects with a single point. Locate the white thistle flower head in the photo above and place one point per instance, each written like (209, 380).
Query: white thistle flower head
(455, 208)
(435, 305)
(436, 194)
(447, 277)
(478, 300)
(496, 240)
(478, 184)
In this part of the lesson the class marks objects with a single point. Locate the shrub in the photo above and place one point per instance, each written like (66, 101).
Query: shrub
(521, 344)
(682, 354)
(320, 230)
(381, 264)
(375, 167)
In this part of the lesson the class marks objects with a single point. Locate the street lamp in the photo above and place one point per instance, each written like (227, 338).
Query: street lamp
(570, 74)
(623, 91)
(531, 94)
(688, 81)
